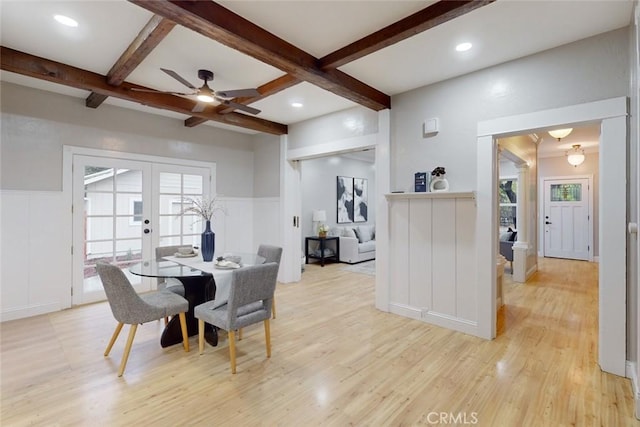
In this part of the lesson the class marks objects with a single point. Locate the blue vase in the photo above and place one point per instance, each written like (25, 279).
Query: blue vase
(208, 243)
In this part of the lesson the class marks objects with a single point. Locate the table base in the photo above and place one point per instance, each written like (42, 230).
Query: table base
(197, 289)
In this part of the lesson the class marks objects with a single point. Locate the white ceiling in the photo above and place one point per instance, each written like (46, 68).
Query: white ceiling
(502, 31)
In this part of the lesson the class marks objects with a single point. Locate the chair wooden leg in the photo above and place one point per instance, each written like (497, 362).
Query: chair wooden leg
(239, 334)
(273, 308)
(114, 337)
(166, 321)
(201, 335)
(267, 336)
(127, 349)
(232, 350)
(185, 335)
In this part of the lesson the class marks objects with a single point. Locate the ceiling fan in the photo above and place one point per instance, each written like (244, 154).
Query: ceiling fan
(207, 95)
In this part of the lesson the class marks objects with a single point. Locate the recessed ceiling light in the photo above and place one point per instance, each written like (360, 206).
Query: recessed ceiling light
(297, 104)
(65, 20)
(462, 47)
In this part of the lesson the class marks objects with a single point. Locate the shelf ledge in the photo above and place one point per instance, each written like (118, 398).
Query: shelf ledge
(434, 195)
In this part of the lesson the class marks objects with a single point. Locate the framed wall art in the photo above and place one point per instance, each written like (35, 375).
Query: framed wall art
(360, 200)
(344, 196)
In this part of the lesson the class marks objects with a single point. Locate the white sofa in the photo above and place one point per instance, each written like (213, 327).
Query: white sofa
(357, 242)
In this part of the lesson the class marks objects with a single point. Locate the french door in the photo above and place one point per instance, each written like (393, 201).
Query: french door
(566, 219)
(122, 210)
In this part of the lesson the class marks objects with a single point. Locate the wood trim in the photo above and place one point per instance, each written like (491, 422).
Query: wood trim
(149, 37)
(429, 17)
(45, 69)
(435, 195)
(220, 24)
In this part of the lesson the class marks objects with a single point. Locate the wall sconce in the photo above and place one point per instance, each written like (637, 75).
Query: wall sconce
(560, 133)
(575, 156)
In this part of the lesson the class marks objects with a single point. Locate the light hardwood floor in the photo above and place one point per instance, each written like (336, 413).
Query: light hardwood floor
(336, 361)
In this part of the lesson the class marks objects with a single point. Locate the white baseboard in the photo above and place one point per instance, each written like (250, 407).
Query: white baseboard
(29, 311)
(434, 318)
(632, 374)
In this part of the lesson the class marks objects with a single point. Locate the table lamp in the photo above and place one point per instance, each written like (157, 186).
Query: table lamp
(319, 216)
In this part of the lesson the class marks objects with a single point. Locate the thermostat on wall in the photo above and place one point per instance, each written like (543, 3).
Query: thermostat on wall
(431, 126)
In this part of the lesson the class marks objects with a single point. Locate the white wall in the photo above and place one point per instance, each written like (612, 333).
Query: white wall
(341, 125)
(266, 165)
(35, 127)
(546, 80)
(36, 124)
(319, 188)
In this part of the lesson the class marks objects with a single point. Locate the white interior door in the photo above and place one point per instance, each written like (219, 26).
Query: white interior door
(112, 221)
(566, 219)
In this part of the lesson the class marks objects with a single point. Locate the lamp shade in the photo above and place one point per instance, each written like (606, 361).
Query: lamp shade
(560, 133)
(319, 216)
(575, 156)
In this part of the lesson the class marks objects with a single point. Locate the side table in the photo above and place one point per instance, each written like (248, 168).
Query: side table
(323, 245)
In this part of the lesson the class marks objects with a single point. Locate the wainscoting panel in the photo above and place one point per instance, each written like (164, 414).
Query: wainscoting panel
(466, 289)
(420, 255)
(399, 251)
(443, 250)
(433, 258)
(35, 253)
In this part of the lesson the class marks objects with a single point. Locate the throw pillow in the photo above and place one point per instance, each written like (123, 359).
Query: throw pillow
(335, 231)
(513, 236)
(365, 233)
(349, 232)
(504, 237)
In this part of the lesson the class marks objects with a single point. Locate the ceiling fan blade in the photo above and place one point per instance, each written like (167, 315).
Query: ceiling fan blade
(199, 108)
(179, 78)
(135, 89)
(237, 93)
(239, 106)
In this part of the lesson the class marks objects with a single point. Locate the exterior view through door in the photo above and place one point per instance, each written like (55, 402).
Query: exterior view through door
(122, 209)
(566, 221)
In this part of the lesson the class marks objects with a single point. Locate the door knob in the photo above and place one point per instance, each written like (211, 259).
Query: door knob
(547, 222)
(146, 231)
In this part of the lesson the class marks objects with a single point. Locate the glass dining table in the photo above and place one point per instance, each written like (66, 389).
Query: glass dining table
(202, 281)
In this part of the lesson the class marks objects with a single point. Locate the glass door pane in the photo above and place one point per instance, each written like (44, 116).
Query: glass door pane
(109, 226)
(176, 185)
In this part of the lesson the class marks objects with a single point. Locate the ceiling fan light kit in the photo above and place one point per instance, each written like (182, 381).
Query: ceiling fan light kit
(206, 95)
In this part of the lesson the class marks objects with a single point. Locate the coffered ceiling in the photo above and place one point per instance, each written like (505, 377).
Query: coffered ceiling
(326, 55)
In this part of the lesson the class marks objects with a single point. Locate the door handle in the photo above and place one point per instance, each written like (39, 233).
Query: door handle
(547, 222)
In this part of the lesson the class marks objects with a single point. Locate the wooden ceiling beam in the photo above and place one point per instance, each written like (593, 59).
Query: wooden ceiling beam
(218, 23)
(267, 89)
(147, 39)
(45, 69)
(429, 17)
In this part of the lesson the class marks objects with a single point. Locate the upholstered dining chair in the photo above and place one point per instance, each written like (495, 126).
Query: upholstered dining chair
(133, 309)
(250, 300)
(170, 284)
(271, 254)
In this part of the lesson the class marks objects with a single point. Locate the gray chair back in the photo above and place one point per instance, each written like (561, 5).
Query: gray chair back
(126, 305)
(251, 295)
(163, 251)
(270, 253)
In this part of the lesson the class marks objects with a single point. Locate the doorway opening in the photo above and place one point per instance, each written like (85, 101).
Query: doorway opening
(612, 114)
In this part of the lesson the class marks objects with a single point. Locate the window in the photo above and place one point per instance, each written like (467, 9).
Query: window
(566, 192)
(137, 210)
(508, 196)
